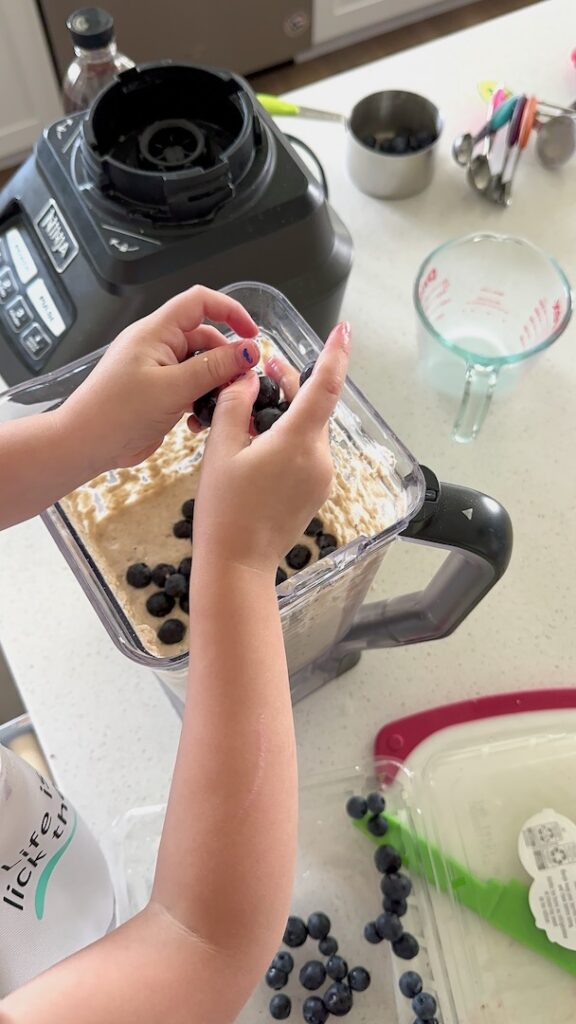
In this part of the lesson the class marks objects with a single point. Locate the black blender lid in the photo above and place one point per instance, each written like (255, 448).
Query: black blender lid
(91, 28)
(172, 141)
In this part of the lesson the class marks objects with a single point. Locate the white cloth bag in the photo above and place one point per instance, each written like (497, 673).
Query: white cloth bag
(56, 895)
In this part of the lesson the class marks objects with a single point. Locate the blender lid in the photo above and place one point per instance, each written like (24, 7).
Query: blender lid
(175, 140)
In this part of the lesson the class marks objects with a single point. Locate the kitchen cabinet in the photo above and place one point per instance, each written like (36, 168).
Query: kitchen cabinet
(333, 19)
(29, 93)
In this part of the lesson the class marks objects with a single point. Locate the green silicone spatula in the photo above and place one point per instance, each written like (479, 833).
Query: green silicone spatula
(503, 904)
(284, 108)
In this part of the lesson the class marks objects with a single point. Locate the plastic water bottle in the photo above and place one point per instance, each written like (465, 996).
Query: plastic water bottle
(97, 61)
(56, 895)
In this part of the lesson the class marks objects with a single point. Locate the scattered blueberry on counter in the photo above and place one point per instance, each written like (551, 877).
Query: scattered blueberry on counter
(328, 946)
(314, 1011)
(391, 906)
(176, 585)
(276, 978)
(371, 933)
(338, 999)
(312, 975)
(285, 961)
(359, 979)
(161, 572)
(318, 925)
(295, 933)
(280, 1007)
(406, 947)
(396, 885)
(336, 968)
(410, 984)
(389, 926)
(424, 1006)
(387, 859)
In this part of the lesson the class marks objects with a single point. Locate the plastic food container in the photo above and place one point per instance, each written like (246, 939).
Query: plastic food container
(325, 624)
(470, 792)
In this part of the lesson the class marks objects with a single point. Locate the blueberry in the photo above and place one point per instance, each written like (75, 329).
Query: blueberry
(397, 886)
(389, 926)
(356, 807)
(424, 1006)
(338, 999)
(280, 1007)
(387, 859)
(187, 509)
(184, 603)
(377, 826)
(296, 932)
(425, 139)
(385, 146)
(318, 925)
(413, 144)
(176, 585)
(370, 141)
(406, 947)
(204, 407)
(185, 567)
(410, 984)
(276, 978)
(314, 527)
(399, 144)
(298, 556)
(182, 529)
(171, 631)
(268, 395)
(328, 540)
(138, 575)
(328, 946)
(312, 975)
(161, 572)
(359, 979)
(324, 552)
(307, 372)
(160, 604)
(266, 418)
(371, 933)
(336, 968)
(281, 576)
(284, 960)
(392, 906)
(376, 802)
(314, 1011)
(283, 407)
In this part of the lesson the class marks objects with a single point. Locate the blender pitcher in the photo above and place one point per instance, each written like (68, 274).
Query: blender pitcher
(325, 621)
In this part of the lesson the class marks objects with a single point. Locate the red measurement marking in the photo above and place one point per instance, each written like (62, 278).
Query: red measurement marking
(556, 312)
(493, 291)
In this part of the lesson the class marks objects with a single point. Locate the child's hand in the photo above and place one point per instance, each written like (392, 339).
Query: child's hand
(256, 498)
(146, 380)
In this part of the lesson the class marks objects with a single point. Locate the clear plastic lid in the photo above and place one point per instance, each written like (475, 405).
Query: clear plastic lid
(366, 429)
(458, 811)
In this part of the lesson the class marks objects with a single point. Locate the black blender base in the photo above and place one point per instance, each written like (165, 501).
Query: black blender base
(333, 664)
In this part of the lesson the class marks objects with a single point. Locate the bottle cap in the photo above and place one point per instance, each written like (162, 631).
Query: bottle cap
(91, 28)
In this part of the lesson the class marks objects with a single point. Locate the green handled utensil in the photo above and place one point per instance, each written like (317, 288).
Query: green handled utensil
(503, 904)
(276, 107)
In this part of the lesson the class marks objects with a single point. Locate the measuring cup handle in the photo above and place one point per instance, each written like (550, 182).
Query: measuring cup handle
(477, 532)
(479, 385)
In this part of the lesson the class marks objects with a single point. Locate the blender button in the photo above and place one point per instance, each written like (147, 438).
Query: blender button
(431, 495)
(18, 314)
(45, 306)
(21, 255)
(35, 341)
(7, 284)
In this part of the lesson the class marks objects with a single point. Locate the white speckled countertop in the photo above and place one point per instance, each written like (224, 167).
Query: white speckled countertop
(107, 728)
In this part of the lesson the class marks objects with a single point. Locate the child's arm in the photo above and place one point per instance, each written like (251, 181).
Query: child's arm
(225, 868)
(121, 413)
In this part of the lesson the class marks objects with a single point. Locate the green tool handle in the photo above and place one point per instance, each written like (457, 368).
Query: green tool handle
(275, 106)
(503, 904)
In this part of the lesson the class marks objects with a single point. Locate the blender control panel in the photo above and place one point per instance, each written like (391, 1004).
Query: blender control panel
(34, 315)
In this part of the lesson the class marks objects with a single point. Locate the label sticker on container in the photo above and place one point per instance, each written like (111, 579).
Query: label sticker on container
(547, 849)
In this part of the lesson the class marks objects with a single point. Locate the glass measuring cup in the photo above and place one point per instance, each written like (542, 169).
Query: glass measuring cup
(486, 304)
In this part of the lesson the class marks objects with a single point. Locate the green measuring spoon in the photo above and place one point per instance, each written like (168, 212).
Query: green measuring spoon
(503, 904)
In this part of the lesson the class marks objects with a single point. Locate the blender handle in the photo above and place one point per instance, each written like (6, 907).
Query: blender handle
(477, 532)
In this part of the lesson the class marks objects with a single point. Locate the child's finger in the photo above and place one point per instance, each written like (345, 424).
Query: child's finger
(230, 428)
(204, 337)
(187, 310)
(285, 376)
(316, 399)
(213, 369)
